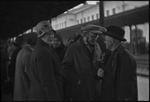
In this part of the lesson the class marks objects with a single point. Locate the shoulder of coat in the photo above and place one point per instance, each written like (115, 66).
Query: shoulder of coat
(122, 50)
(126, 53)
(74, 45)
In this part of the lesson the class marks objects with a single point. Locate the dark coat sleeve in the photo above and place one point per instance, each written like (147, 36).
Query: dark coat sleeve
(127, 80)
(47, 76)
(68, 66)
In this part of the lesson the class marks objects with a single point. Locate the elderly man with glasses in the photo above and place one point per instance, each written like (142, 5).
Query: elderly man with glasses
(80, 63)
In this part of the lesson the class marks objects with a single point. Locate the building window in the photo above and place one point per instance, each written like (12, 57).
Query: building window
(88, 18)
(56, 26)
(77, 21)
(81, 20)
(107, 12)
(84, 19)
(114, 10)
(65, 23)
(92, 17)
(97, 16)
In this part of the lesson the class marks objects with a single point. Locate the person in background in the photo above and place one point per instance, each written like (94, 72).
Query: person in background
(76, 37)
(59, 47)
(45, 69)
(10, 49)
(11, 67)
(22, 81)
(3, 68)
(119, 81)
(80, 64)
(70, 41)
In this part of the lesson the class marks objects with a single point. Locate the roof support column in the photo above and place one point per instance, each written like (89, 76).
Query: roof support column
(131, 40)
(100, 39)
(101, 13)
(136, 40)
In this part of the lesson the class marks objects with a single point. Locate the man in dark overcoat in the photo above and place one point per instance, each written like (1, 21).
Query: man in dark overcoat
(19, 42)
(79, 64)
(120, 78)
(45, 69)
(22, 81)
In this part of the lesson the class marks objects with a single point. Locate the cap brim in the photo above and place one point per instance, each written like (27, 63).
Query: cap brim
(96, 32)
(45, 32)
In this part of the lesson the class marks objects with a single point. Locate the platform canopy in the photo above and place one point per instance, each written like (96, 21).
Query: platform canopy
(18, 16)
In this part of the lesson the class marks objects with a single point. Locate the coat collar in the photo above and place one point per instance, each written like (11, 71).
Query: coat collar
(119, 49)
(28, 48)
(83, 42)
(41, 42)
(95, 53)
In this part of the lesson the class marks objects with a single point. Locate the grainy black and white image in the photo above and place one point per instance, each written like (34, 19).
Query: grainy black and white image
(74, 50)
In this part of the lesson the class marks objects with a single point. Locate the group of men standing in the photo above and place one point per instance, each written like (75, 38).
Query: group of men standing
(42, 73)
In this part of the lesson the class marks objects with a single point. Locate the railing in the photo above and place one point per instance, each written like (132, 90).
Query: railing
(142, 61)
(142, 65)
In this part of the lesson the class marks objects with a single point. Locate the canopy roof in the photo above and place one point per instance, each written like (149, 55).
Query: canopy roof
(19, 16)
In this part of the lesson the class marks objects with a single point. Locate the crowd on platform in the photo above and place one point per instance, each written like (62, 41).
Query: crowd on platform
(92, 66)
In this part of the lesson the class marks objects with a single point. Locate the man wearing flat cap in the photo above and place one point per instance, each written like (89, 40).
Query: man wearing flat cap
(120, 80)
(80, 63)
(45, 68)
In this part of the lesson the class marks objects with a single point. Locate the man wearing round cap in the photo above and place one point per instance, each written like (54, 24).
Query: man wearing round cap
(45, 69)
(120, 80)
(80, 63)
(22, 81)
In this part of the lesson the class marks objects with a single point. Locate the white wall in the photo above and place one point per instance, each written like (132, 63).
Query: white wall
(108, 5)
(71, 20)
(93, 10)
(88, 13)
(135, 4)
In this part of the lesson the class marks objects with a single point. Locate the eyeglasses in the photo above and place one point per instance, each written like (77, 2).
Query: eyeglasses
(93, 36)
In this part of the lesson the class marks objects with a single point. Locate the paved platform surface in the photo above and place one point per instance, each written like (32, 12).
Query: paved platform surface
(143, 88)
(143, 72)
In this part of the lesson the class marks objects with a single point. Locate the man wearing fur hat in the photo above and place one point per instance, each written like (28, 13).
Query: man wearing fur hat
(79, 63)
(120, 80)
(45, 69)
